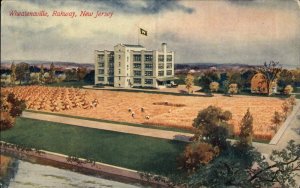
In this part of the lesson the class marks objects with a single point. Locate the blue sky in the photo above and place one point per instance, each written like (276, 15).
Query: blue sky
(228, 31)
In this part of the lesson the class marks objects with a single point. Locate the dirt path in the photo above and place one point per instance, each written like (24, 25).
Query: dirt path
(170, 135)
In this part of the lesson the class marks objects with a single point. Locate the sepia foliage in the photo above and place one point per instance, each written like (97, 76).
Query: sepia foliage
(189, 82)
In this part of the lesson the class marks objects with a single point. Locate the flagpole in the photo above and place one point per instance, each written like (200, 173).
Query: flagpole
(139, 36)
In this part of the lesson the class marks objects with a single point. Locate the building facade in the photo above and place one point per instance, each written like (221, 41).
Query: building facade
(134, 66)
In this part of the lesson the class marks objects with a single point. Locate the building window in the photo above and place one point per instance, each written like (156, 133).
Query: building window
(136, 57)
(169, 57)
(119, 64)
(136, 73)
(161, 66)
(161, 73)
(148, 81)
(110, 71)
(148, 66)
(169, 65)
(111, 58)
(137, 65)
(169, 72)
(148, 73)
(127, 58)
(119, 56)
(119, 71)
(111, 65)
(111, 79)
(100, 79)
(101, 64)
(101, 57)
(119, 78)
(148, 57)
(101, 71)
(160, 57)
(137, 80)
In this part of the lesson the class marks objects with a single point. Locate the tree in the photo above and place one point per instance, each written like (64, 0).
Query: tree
(285, 78)
(296, 76)
(13, 74)
(22, 72)
(235, 77)
(225, 86)
(10, 108)
(90, 77)
(237, 169)
(281, 170)
(81, 72)
(233, 89)
(288, 90)
(286, 108)
(246, 130)
(34, 78)
(212, 126)
(271, 72)
(70, 74)
(52, 73)
(207, 77)
(196, 154)
(41, 74)
(189, 82)
(214, 86)
(277, 119)
(246, 78)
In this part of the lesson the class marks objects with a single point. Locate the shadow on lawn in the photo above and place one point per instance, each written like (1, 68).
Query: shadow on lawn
(181, 137)
(164, 162)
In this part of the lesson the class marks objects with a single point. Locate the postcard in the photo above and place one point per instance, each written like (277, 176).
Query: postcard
(150, 93)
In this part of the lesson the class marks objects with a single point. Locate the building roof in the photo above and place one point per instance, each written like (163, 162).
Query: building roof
(133, 45)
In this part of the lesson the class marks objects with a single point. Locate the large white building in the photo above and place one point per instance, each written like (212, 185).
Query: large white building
(134, 66)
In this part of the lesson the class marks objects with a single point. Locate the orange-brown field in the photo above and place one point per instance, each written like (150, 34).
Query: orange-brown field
(164, 110)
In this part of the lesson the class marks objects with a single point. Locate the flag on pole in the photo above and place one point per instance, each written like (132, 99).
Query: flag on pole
(143, 32)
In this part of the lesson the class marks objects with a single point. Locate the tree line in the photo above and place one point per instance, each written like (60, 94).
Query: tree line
(233, 81)
(23, 73)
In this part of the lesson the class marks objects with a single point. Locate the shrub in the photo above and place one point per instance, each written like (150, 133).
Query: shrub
(214, 86)
(233, 89)
(288, 90)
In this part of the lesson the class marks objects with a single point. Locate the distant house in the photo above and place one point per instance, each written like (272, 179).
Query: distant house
(259, 84)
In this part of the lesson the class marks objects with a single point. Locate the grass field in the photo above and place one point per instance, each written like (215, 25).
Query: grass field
(130, 151)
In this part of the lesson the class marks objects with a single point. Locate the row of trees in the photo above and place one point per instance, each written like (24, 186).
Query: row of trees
(230, 82)
(22, 73)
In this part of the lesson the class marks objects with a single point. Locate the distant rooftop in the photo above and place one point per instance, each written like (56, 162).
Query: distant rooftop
(133, 45)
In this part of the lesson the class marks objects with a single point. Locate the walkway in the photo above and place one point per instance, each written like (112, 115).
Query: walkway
(156, 133)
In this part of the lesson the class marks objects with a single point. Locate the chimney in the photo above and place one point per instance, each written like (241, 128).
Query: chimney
(164, 47)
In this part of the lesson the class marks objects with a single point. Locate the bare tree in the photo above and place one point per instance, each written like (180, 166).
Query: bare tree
(271, 72)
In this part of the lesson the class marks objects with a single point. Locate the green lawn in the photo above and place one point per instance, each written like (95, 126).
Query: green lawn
(126, 150)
